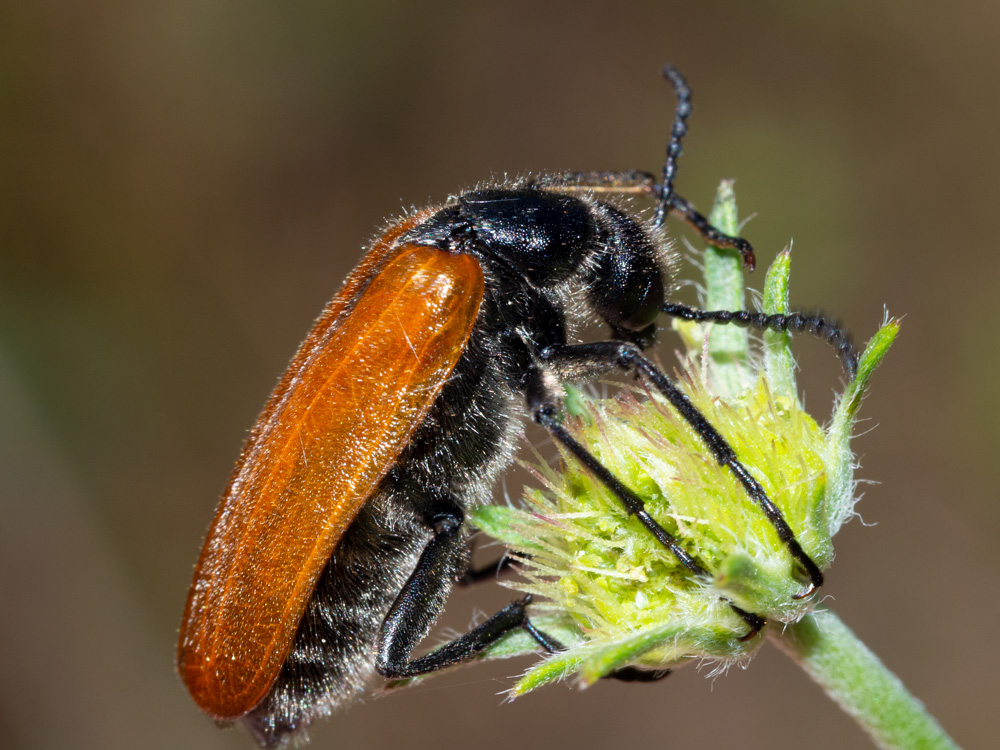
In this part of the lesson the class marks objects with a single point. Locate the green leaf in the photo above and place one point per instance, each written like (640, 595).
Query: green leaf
(728, 346)
(840, 490)
(779, 364)
(503, 523)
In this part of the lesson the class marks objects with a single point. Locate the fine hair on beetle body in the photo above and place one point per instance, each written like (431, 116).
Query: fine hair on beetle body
(342, 531)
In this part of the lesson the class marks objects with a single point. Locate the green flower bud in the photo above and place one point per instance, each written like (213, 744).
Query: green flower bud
(603, 585)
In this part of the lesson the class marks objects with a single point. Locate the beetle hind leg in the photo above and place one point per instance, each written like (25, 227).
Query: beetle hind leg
(442, 562)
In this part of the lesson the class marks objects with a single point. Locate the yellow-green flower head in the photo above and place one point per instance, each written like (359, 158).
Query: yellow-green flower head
(602, 583)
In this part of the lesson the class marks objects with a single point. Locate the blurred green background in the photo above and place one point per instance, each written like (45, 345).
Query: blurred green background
(183, 185)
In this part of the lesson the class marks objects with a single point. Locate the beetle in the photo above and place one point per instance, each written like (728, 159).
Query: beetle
(341, 533)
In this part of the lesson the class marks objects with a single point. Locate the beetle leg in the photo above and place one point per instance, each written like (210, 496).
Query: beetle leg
(625, 674)
(493, 571)
(635, 674)
(421, 600)
(683, 208)
(582, 358)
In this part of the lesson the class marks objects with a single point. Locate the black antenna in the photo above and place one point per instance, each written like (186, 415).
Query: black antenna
(681, 113)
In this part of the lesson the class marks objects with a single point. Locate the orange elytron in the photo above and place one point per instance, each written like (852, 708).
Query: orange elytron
(363, 380)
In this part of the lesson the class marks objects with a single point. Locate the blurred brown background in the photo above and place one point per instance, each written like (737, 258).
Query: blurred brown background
(183, 185)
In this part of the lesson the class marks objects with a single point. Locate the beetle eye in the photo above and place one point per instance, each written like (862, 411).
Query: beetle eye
(642, 304)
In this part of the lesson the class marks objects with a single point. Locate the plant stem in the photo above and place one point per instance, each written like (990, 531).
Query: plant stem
(855, 678)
